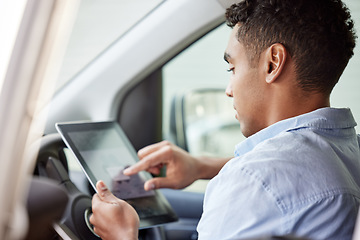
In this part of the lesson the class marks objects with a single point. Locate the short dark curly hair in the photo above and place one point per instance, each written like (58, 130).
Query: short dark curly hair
(318, 34)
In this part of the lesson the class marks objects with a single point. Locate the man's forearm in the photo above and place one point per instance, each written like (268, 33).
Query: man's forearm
(209, 167)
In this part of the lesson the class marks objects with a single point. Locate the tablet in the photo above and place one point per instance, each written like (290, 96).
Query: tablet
(103, 152)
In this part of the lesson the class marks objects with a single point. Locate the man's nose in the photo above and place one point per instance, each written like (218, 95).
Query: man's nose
(228, 91)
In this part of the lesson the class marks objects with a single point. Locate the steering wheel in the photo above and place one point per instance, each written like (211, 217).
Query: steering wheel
(52, 163)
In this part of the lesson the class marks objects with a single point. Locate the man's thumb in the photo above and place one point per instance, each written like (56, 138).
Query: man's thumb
(104, 192)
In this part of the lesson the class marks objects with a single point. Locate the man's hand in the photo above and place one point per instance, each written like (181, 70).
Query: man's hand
(182, 169)
(113, 218)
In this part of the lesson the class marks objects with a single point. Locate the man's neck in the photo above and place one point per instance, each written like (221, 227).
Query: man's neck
(294, 103)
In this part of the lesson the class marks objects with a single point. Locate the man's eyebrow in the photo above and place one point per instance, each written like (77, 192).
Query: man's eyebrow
(226, 57)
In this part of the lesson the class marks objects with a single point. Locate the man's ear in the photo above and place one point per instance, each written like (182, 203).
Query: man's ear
(275, 57)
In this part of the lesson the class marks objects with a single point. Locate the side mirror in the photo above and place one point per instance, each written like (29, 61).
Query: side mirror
(203, 123)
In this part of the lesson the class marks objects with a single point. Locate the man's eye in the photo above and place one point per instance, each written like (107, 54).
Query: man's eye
(230, 70)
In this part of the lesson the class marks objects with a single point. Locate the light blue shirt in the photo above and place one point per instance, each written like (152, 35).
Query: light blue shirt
(298, 177)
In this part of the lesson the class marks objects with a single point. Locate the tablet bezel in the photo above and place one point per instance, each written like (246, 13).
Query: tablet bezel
(70, 127)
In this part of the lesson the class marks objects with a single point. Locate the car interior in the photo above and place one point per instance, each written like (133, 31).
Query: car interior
(153, 66)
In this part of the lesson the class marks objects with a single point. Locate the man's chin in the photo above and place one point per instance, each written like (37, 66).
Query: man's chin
(244, 130)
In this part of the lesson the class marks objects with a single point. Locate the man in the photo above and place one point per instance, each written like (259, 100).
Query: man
(298, 172)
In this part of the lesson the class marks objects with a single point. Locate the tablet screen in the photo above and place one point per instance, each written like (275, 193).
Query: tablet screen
(103, 151)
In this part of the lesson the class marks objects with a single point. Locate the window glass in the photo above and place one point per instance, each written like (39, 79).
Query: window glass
(10, 18)
(98, 25)
(347, 91)
(200, 66)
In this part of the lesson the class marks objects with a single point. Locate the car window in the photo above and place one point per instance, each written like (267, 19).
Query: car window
(199, 66)
(347, 91)
(98, 25)
(10, 19)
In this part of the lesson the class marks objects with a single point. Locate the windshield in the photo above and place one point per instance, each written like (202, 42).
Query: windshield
(98, 25)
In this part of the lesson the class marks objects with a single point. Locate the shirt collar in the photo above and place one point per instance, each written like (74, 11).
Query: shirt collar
(323, 118)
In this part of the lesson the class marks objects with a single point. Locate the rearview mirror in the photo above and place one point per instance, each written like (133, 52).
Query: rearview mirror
(203, 123)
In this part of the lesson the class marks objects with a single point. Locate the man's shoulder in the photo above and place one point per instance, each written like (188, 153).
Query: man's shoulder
(298, 168)
(285, 147)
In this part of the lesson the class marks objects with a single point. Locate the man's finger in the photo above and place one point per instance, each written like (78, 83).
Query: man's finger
(150, 149)
(104, 193)
(152, 160)
(159, 182)
(155, 170)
